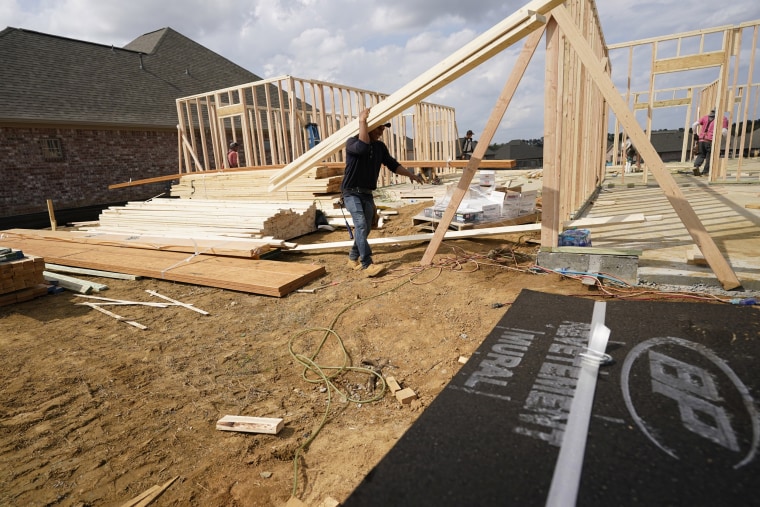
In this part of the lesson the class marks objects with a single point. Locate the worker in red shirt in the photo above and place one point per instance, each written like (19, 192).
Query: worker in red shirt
(232, 154)
(706, 126)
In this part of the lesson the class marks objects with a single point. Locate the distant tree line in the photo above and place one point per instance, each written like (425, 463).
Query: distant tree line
(532, 142)
(736, 129)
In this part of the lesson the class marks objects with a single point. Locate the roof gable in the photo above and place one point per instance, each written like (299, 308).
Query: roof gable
(51, 79)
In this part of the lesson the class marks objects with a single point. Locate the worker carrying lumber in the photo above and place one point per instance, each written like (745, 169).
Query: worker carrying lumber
(365, 153)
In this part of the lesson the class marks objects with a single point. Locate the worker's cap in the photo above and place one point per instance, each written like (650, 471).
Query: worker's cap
(386, 125)
(233, 144)
(469, 132)
(712, 113)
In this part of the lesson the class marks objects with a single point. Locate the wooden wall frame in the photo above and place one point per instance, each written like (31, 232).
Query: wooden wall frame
(725, 93)
(268, 118)
(578, 93)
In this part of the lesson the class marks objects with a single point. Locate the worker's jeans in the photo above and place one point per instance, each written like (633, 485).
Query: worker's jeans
(362, 209)
(705, 149)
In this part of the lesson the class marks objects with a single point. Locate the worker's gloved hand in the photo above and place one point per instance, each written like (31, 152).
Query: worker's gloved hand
(725, 131)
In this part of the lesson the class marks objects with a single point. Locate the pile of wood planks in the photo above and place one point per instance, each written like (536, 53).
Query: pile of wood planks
(22, 279)
(209, 217)
(257, 276)
(252, 185)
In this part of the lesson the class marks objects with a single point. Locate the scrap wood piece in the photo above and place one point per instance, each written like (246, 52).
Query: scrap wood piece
(752, 205)
(189, 306)
(393, 384)
(404, 395)
(93, 272)
(115, 316)
(75, 284)
(694, 256)
(123, 301)
(270, 425)
(146, 497)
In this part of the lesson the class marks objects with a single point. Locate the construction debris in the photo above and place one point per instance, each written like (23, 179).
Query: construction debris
(404, 395)
(245, 424)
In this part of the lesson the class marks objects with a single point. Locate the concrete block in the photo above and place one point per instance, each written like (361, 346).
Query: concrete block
(623, 267)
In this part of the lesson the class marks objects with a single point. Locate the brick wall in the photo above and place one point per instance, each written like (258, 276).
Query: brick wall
(91, 160)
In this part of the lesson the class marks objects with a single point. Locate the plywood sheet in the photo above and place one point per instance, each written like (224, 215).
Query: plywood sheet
(270, 278)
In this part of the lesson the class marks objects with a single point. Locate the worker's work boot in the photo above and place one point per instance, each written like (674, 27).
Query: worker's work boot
(696, 171)
(374, 270)
(354, 264)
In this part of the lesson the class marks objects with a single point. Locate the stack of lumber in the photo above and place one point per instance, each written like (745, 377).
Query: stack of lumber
(207, 244)
(255, 276)
(193, 218)
(252, 185)
(21, 278)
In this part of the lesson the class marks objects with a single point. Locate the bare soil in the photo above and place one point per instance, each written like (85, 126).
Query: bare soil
(94, 411)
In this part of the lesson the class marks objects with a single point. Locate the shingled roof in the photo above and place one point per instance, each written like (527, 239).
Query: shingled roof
(56, 80)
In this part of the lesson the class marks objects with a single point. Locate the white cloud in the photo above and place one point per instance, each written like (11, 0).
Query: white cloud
(380, 46)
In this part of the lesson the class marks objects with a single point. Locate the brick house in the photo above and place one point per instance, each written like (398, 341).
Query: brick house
(76, 116)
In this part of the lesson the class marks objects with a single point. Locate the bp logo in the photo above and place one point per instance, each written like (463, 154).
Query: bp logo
(690, 403)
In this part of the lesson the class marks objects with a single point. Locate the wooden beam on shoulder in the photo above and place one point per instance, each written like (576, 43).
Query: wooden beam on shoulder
(482, 48)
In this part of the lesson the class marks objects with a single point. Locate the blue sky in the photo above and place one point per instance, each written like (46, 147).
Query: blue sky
(372, 45)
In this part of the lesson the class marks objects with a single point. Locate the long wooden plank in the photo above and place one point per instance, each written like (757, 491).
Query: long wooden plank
(487, 45)
(472, 233)
(90, 272)
(691, 62)
(502, 103)
(680, 204)
(323, 170)
(270, 278)
(233, 247)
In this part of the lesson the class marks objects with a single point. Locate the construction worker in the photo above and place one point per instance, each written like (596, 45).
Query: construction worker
(467, 145)
(232, 154)
(706, 126)
(365, 153)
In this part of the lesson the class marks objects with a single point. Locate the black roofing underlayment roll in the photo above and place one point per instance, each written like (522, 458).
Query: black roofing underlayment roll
(674, 419)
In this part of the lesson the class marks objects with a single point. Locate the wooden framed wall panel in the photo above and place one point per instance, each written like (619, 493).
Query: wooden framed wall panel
(747, 97)
(579, 138)
(696, 50)
(268, 118)
(680, 204)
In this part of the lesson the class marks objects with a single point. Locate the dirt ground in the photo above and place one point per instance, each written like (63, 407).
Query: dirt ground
(94, 411)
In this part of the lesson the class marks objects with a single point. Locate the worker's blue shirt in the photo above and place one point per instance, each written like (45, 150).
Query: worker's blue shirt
(363, 163)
